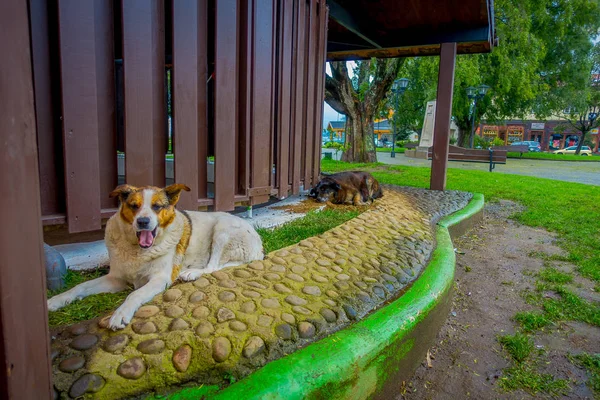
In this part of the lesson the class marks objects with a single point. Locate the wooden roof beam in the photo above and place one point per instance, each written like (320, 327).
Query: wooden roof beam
(344, 18)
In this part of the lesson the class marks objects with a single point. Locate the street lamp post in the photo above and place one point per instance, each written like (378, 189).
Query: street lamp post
(475, 94)
(398, 88)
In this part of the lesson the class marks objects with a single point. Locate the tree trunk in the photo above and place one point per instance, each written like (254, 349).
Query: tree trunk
(463, 137)
(580, 143)
(360, 144)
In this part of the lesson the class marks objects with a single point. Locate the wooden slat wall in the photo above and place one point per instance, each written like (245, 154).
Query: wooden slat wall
(145, 104)
(24, 337)
(88, 107)
(189, 99)
(268, 90)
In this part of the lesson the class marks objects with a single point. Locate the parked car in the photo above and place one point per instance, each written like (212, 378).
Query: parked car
(533, 145)
(585, 150)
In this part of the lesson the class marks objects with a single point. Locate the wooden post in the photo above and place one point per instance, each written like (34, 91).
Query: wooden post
(24, 337)
(443, 114)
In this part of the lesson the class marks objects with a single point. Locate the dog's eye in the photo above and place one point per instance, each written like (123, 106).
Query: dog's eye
(134, 206)
(157, 207)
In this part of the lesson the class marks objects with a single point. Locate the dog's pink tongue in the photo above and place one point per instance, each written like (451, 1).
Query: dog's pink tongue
(146, 239)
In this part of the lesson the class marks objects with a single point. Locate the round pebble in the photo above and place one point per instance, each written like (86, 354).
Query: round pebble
(364, 297)
(330, 302)
(270, 303)
(227, 283)
(301, 310)
(329, 315)
(336, 268)
(289, 318)
(306, 330)
(332, 293)
(272, 277)
(251, 293)
(342, 277)
(225, 314)
(264, 321)
(132, 369)
(201, 312)
(174, 311)
(355, 260)
(307, 243)
(323, 263)
(282, 253)
(115, 343)
(248, 307)
(295, 277)
(147, 311)
(71, 364)
(298, 269)
(201, 282)
(296, 250)
(197, 297)
(237, 326)
(84, 342)
(182, 357)
(255, 345)
(257, 265)
(361, 285)
(256, 285)
(226, 296)
(143, 327)
(240, 273)
(340, 261)
(312, 290)
(295, 300)
(204, 329)
(353, 271)
(172, 295)
(151, 346)
(88, 383)
(221, 349)
(178, 324)
(277, 268)
(342, 285)
(350, 312)
(379, 292)
(281, 288)
(329, 254)
(53, 354)
(77, 330)
(284, 331)
(369, 279)
(220, 275)
(300, 260)
(278, 260)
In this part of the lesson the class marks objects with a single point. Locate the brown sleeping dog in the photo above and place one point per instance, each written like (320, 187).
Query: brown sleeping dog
(352, 187)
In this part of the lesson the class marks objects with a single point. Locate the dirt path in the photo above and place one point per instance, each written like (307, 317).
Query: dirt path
(467, 360)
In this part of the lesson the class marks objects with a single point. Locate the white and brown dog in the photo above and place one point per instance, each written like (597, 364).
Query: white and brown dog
(151, 244)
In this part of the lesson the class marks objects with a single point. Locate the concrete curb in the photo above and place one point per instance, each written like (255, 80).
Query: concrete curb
(368, 359)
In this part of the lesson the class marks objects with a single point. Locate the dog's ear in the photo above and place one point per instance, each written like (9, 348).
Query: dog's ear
(123, 192)
(173, 191)
(336, 186)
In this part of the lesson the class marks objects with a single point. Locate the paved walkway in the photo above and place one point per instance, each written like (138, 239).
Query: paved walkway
(570, 171)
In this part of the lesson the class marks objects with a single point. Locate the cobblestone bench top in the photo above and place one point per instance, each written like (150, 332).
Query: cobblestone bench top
(234, 321)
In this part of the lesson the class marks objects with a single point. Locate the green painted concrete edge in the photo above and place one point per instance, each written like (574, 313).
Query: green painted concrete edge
(352, 362)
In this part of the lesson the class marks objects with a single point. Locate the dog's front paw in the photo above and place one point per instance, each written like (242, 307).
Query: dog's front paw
(58, 302)
(122, 317)
(190, 275)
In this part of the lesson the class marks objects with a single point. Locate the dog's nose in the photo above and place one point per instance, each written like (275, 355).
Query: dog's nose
(143, 222)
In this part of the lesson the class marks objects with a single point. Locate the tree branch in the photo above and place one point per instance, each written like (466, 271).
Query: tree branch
(386, 70)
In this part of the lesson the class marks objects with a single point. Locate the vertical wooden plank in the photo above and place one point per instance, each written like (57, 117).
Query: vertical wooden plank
(284, 111)
(261, 113)
(189, 98)
(107, 134)
(24, 337)
(81, 78)
(49, 153)
(298, 96)
(443, 113)
(311, 95)
(320, 90)
(242, 177)
(226, 107)
(145, 105)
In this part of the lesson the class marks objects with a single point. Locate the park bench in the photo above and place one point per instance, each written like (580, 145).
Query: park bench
(492, 156)
(521, 148)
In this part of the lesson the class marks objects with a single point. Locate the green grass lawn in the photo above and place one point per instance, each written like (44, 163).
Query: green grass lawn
(554, 157)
